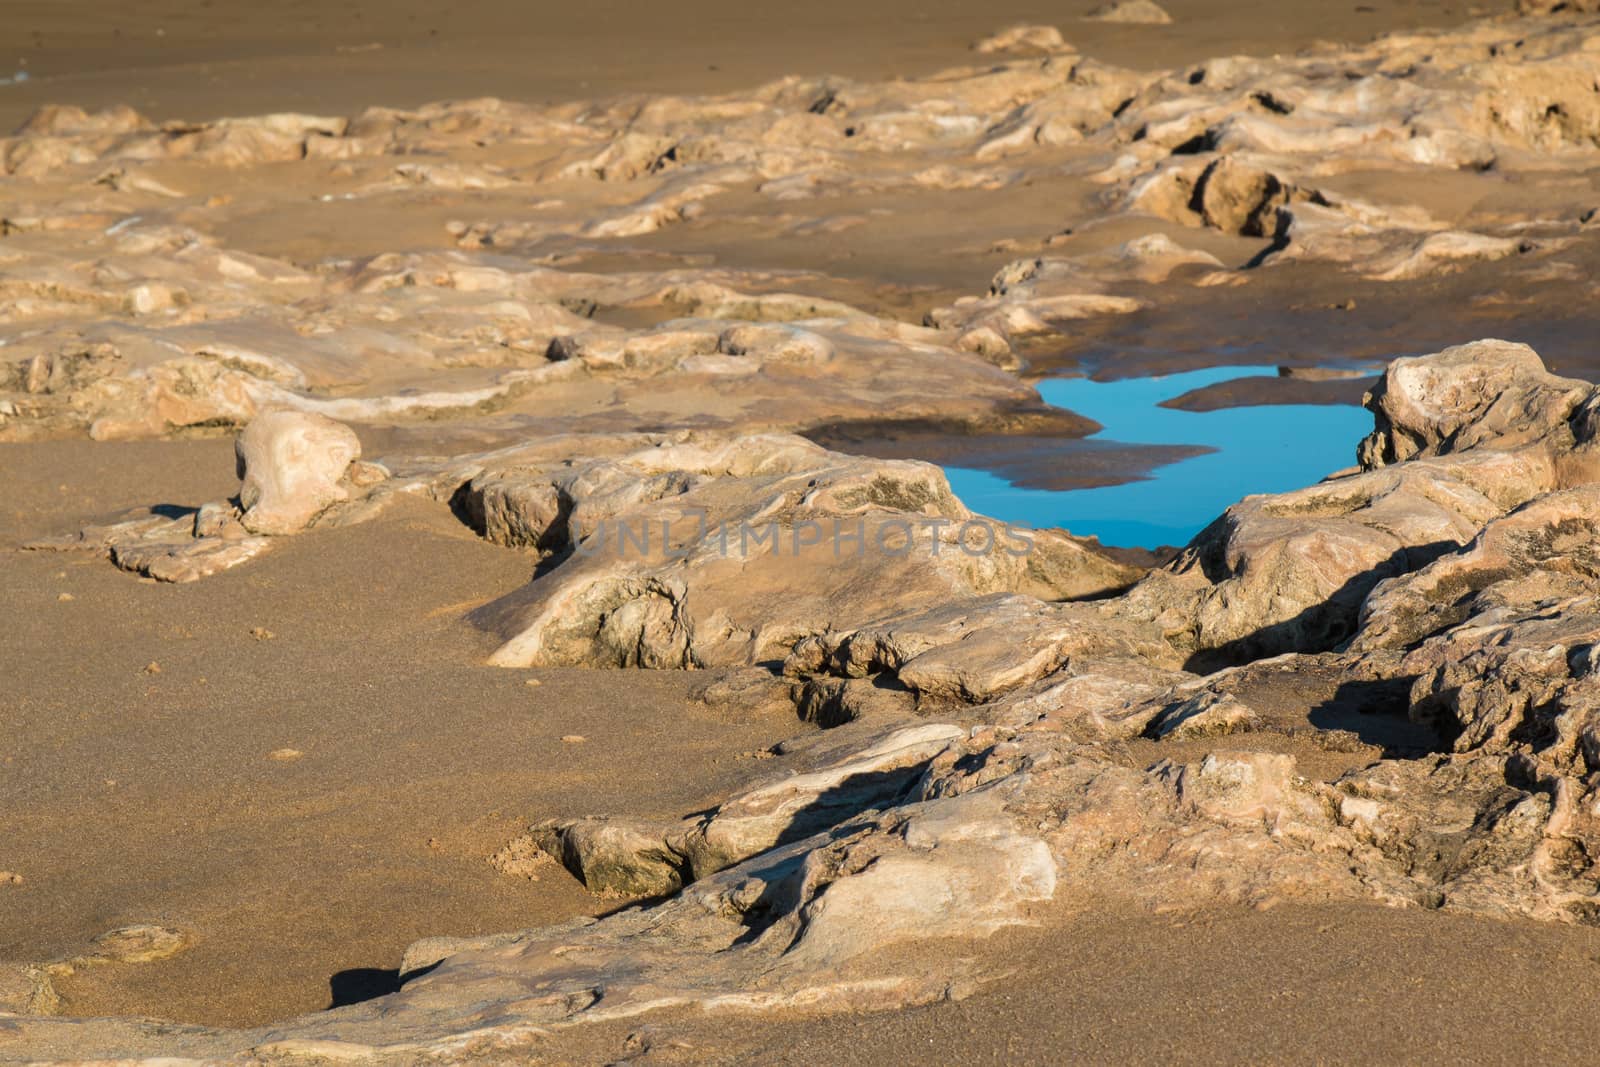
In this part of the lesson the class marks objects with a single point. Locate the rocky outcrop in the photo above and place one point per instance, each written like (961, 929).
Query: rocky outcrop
(1431, 745)
(1489, 394)
(705, 551)
(127, 316)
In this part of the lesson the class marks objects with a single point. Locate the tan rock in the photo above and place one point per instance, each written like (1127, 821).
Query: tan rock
(291, 464)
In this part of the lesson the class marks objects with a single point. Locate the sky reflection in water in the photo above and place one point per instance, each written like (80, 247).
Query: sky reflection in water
(1262, 449)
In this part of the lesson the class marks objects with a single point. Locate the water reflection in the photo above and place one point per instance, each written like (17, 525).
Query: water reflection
(1263, 449)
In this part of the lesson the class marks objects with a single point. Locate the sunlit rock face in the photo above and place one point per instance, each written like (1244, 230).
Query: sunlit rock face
(290, 468)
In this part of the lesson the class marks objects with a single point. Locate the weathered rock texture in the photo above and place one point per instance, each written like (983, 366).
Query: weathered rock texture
(1450, 766)
(710, 551)
(125, 314)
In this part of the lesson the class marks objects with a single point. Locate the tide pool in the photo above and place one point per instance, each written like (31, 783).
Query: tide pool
(1263, 449)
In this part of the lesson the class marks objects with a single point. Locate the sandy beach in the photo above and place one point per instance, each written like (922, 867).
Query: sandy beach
(334, 339)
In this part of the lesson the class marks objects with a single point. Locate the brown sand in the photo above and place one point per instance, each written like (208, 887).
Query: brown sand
(153, 797)
(1332, 984)
(204, 58)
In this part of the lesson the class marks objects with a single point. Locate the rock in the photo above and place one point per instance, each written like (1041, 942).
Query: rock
(1205, 715)
(139, 943)
(296, 469)
(1236, 197)
(1138, 12)
(973, 650)
(1485, 428)
(27, 990)
(720, 553)
(1486, 394)
(176, 555)
(291, 464)
(750, 689)
(1552, 7)
(613, 856)
(1289, 572)
(1023, 39)
(631, 858)
(1542, 552)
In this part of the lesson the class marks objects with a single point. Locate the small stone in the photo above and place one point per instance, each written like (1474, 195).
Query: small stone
(573, 739)
(261, 633)
(139, 943)
(152, 667)
(284, 755)
(532, 681)
(433, 843)
(10, 878)
(64, 597)
(1132, 12)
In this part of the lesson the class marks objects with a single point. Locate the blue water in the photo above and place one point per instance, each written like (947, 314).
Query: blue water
(1262, 449)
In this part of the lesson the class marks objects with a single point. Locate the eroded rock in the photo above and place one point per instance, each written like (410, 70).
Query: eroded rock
(291, 465)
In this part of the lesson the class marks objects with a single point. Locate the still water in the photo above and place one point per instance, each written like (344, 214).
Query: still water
(1262, 449)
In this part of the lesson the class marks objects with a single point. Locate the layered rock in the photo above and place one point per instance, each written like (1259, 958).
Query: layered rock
(128, 316)
(705, 551)
(1421, 733)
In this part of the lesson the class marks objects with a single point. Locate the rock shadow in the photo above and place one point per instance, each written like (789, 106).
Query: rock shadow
(1377, 712)
(1321, 627)
(360, 984)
